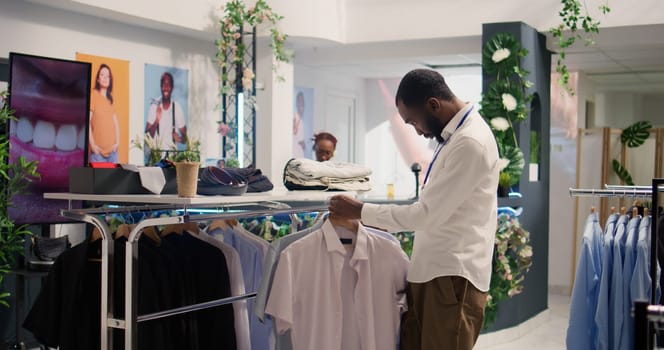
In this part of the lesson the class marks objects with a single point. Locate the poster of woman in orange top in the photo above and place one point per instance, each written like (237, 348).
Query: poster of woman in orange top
(109, 109)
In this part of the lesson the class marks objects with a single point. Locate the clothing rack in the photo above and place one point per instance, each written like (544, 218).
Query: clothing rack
(267, 204)
(642, 341)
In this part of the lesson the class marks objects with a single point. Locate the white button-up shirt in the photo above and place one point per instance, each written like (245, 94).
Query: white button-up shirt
(307, 295)
(455, 217)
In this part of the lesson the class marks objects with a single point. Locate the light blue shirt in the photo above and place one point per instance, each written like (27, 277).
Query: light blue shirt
(641, 285)
(604, 315)
(616, 295)
(252, 256)
(582, 332)
(630, 269)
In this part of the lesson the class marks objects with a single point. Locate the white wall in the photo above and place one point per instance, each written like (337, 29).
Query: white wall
(619, 109)
(326, 84)
(41, 30)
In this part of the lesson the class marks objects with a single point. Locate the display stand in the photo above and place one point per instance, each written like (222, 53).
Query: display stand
(271, 203)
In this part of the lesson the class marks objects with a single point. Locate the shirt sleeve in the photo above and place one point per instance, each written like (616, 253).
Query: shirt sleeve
(451, 183)
(280, 300)
(179, 117)
(152, 113)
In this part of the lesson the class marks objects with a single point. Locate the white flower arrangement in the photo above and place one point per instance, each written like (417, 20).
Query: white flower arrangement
(500, 124)
(509, 102)
(500, 55)
(512, 259)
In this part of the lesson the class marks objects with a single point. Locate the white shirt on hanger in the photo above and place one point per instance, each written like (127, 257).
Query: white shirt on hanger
(311, 285)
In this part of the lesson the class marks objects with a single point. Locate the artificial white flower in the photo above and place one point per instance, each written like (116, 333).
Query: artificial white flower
(500, 55)
(503, 163)
(509, 102)
(247, 79)
(500, 123)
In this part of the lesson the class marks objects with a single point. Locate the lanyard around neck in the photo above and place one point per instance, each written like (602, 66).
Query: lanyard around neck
(442, 144)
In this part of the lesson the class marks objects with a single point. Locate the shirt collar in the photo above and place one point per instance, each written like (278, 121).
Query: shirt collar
(333, 242)
(452, 125)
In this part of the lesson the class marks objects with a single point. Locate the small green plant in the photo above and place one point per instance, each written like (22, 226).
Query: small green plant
(15, 176)
(191, 153)
(504, 180)
(534, 147)
(150, 147)
(232, 163)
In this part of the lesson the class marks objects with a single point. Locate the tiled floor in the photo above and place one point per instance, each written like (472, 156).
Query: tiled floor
(544, 332)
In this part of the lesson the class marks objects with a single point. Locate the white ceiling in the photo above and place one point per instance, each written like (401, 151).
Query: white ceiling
(623, 58)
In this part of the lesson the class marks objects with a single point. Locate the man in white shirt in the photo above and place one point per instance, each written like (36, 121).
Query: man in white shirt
(166, 118)
(454, 220)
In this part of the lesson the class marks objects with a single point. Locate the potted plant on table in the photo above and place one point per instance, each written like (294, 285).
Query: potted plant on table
(15, 177)
(187, 163)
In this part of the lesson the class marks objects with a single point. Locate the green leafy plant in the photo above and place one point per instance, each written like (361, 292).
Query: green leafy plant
(191, 152)
(232, 50)
(622, 173)
(151, 147)
(632, 136)
(504, 180)
(516, 162)
(636, 134)
(512, 259)
(574, 18)
(534, 147)
(232, 163)
(15, 176)
(506, 100)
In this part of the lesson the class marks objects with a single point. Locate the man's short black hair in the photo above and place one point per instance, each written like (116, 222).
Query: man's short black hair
(420, 84)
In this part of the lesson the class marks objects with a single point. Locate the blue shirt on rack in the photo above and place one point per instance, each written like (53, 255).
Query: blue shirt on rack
(604, 314)
(582, 332)
(630, 269)
(641, 284)
(616, 295)
(252, 254)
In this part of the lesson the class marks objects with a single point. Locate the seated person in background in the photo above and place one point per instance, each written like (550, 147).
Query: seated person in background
(324, 146)
(221, 163)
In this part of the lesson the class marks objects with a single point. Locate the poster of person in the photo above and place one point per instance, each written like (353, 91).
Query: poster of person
(108, 139)
(303, 122)
(166, 106)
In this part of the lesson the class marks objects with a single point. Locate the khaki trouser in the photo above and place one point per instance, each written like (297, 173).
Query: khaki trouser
(445, 313)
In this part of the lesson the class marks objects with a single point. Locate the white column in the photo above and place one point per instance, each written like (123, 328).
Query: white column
(274, 116)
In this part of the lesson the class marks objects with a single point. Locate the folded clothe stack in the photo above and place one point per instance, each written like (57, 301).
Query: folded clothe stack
(307, 174)
(256, 181)
(213, 181)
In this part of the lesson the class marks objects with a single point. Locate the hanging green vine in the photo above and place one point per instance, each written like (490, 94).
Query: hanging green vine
(574, 19)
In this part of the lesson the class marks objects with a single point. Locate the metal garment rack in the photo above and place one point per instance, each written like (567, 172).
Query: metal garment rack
(267, 205)
(644, 332)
